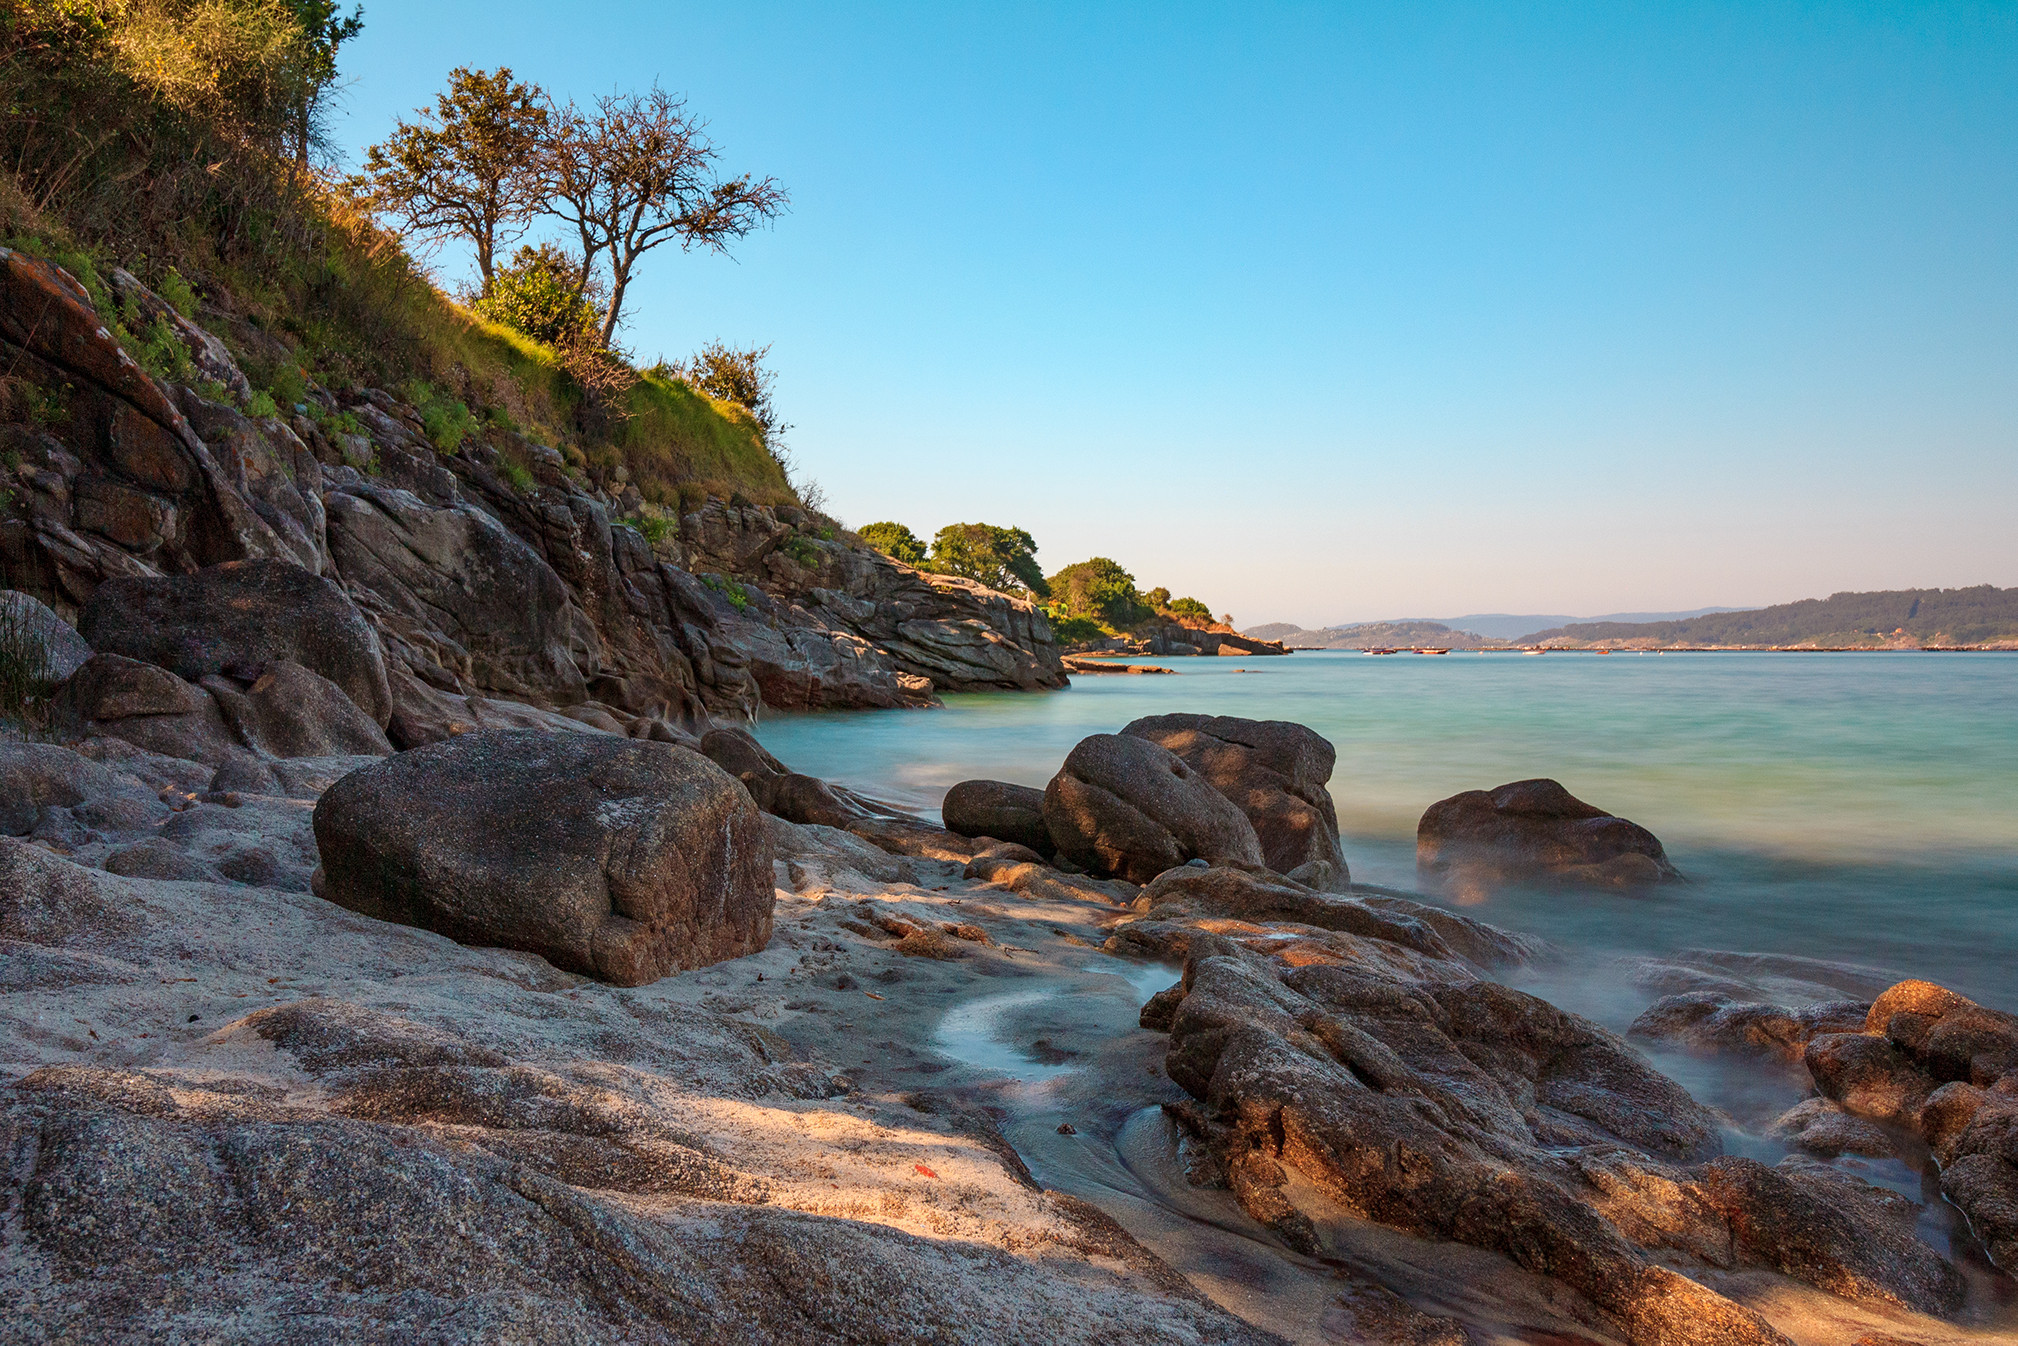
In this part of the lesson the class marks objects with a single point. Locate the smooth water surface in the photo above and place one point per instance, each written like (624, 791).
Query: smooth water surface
(1861, 807)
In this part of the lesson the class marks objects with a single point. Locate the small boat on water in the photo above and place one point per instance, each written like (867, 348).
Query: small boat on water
(1381, 649)
(1426, 649)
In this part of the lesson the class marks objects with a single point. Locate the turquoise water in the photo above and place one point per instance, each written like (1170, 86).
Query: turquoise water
(1861, 807)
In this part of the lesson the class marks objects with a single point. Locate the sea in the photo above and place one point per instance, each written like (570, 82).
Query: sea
(1855, 807)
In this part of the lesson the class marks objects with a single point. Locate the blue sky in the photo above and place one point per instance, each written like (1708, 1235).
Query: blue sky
(1345, 311)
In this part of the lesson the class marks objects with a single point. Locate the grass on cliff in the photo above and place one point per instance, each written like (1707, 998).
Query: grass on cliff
(105, 164)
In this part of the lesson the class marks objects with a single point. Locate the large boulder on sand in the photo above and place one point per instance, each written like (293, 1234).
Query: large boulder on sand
(1123, 806)
(993, 808)
(239, 617)
(621, 859)
(1275, 771)
(1535, 829)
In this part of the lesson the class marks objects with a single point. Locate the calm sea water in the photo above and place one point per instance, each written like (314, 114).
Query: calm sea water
(1861, 807)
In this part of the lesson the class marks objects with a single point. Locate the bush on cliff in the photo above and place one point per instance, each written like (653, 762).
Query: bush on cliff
(1099, 590)
(895, 541)
(1001, 558)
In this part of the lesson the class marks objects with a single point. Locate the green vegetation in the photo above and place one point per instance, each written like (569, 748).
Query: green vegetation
(538, 294)
(895, 541)
(1974, 616)
(1098, 590)
(1001, 558)
(738, 596)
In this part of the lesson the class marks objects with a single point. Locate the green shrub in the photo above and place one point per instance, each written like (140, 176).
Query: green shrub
(895, 541)
(738, 596)
(1100, 589)
(156, 348)
(261, 405)
(1001, 558)
(446, 420)
(539, 293)
(1076, 630)
(178, 293)
(519, 475)
(1191, 608)
(656, 528)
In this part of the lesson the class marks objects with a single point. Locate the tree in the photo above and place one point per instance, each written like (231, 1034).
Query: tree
(1097, 588)
(635, 172)
(1158, 598)
(324, 28)
(1191, 609)
(469, 167)
(895, 541)
(731, 375)
(1001, 558)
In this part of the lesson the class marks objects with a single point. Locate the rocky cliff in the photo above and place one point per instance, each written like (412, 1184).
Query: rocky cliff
(488, 573)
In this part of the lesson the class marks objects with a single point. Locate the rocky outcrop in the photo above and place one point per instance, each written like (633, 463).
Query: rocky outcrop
(1534, 831)
(1276, 773)
(238, 618)
(1714, 1021)
(1124, 807)
(1376, 1068)
(993, 808)
(610, 857)
(1943, 1066)
(35, 627)
(494, 572)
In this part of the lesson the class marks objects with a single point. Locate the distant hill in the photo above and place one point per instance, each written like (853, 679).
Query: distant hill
(1890, 618)
(1507, 625)
(1370, 635)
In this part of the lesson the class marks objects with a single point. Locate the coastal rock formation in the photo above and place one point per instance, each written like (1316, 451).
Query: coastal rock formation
(1714, 1021)
(63, 651)
(490, 573)
(1534, 830)
(1375, 1070)
(993, 808)
(1945, 1067)
(1125, 807)
(618, 859)
(1275, 772)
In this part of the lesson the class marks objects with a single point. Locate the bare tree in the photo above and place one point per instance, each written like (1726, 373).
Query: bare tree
(468, 167)
(637, 171)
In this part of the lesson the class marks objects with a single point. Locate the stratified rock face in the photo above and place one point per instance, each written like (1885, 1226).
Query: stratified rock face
(63, 650)
(1124, 807)
(1275, 771)
(993, 808)
(239, 617)
(619, 859)
(1944, 1066)
(1535, 830)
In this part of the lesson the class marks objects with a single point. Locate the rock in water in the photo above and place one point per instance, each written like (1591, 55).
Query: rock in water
(1125, 807)
(1535, 829)
(1275, 771)
(621, 859)
(238, 616)
(993, 808)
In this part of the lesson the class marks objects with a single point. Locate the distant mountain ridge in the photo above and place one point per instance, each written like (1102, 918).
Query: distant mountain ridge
(1882, 619)
(1507, 625)
(1371, 635)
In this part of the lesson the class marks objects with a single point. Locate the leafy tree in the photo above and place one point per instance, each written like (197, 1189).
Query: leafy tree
(1001, 558)
(1158, 598)
(895, 541)
(539, 292)
(1189, 608)
(324, 28)
(468, 167)
(636, 171)
(1100, 589)
(738, 376)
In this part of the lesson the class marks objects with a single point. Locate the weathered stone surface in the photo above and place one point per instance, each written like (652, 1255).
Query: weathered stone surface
(50, 790)
(620, 859)
(1713, 1021)
(63, 650)
(993, 808)
(1535, 830)
(1123, 806)
(1938, 1063)
(1275, 772)
(238, 617)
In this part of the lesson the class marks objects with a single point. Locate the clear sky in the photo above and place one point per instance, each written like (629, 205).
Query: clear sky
(1345, 311)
